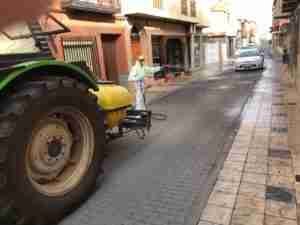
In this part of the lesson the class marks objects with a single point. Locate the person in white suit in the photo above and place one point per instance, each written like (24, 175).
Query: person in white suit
(137, 75)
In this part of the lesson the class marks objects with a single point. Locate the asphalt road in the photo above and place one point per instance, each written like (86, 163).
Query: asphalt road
(166, 178)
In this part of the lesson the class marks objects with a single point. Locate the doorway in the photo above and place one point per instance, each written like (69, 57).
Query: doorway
(175, 55)
(109, 45)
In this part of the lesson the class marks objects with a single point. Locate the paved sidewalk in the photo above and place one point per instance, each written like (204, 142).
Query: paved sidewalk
(257, 184)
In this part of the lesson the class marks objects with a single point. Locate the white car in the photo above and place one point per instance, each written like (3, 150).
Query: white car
(247, 59)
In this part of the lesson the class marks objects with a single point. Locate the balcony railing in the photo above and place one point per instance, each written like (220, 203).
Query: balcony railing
(97, 6)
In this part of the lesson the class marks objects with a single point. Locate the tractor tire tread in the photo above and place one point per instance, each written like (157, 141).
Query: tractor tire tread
(13, 107)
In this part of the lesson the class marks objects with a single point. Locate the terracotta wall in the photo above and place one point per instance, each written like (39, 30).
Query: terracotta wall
(90, 25)
(165, 30)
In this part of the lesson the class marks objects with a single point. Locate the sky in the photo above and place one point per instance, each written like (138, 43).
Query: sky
(257, 10)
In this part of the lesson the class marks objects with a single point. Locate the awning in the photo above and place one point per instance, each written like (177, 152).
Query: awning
(167, 18)
(278, 24)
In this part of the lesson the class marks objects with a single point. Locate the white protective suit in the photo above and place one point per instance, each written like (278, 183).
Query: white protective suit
(137, 75)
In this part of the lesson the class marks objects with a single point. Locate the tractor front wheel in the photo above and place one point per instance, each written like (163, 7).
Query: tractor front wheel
(51, 149)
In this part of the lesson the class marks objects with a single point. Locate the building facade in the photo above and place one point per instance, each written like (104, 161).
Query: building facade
(220, 37)
(97, 36)
(247, 33)
(165, 32)
(281, 20)
(286, 34)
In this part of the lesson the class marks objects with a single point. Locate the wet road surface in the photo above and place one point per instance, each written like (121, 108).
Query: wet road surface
(166, 178)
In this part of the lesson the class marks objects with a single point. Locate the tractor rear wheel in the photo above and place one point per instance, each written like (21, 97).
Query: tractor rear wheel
(51, 149)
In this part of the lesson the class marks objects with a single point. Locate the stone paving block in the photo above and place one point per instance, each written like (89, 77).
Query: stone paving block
(297, 170)
(259, 145)
(242, 151)
(226, 187)
(280, 170)
(245, 133)
(297, 188)
(216, 214)
(247, 126)
(242, 141)
(258, 152)
(230, 175)
(252, 190)
(232, 165)
(262, 131)
(236, 157)
(279, 162)
(280, 194)
(237, 152)
(206, 223)
(281, 209)
(244, 216)
(272, 220)
(222, 199)
(296, 156)
(281, 181)
(243, 138)
(254, 178)
(279, 131)
(256, 168)
(240, 145)
(279, 153)
(279, 140)
(257, 159)
(297, 151)
(260, 140)
(250, 205)
(262, 126)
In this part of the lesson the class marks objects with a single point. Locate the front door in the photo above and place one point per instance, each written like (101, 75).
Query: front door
(109, 43)
(175, 53)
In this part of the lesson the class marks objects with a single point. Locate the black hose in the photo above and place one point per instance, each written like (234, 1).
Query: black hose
(159, 116)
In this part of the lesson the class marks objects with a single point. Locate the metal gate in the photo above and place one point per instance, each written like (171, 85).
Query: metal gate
(82, 50)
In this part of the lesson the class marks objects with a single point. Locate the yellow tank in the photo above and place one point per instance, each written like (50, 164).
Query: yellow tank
(114, 118)
(112, 97)
(114, 100)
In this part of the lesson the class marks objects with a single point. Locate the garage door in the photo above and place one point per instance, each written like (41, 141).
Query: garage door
(211, 53)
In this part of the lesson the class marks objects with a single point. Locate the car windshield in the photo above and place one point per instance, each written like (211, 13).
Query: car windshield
(248, 53)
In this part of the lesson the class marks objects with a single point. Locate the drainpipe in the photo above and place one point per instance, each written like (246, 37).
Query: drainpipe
(192, 51)
(221, 60)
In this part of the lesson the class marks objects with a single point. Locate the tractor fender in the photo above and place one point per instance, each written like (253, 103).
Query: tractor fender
(45, 67)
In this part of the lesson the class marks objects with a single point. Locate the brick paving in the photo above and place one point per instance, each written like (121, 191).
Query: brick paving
(166, 178)
(256, 185)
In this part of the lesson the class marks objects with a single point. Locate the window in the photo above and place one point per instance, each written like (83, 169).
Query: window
(157, 4)
(82, 50)
(156, 50)
(184, 7)
(193, 8)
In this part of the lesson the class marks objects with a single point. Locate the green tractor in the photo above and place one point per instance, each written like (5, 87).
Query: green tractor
(55, 119)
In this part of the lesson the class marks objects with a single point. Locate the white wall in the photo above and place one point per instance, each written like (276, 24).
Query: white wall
(171, 9)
